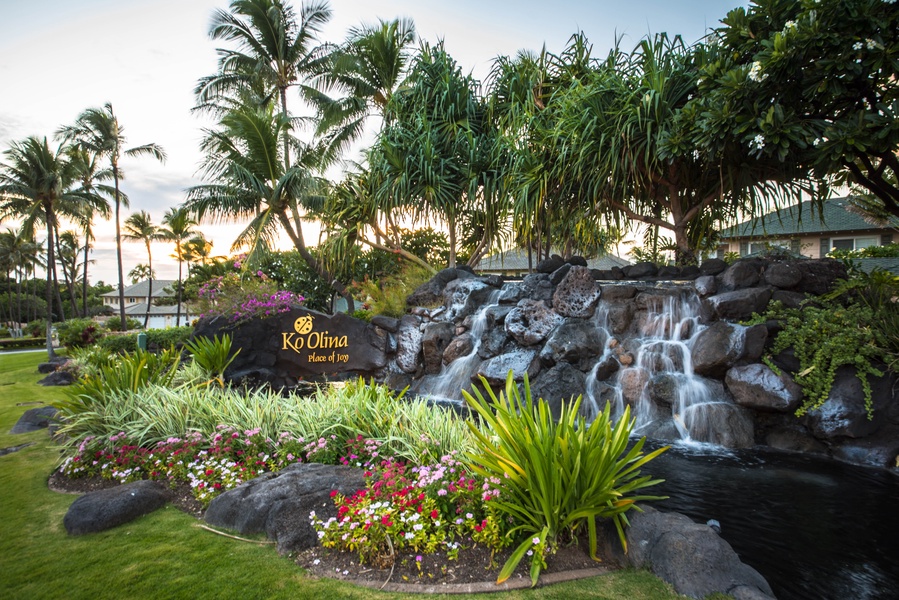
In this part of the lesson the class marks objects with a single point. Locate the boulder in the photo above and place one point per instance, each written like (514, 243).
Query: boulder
(784, 275)
(721, 422)
(879, 450)
(51, 365)
(690, 556)
(408, 344)
(531, 321)
(519, 361)
(843, 414)
(794, 438)
(689, 272)
(278, 504)
(663, 389)
(34, 419)
(617, 292)
(572, 342)
(496, 315)
(739, 304)
(712, 266)
(58, 378)
(434, 340)
(559, 274)
(537, 286)
(607, 366)
(819, 276)
(512, 293)
(619, 316)
(717, 348)
(640, 270)
(549, 265)
(744, 273)
(104, 509)
(431, 292)
(706, 285)
(757, 387)
(754, 339)
(461, 345)
(788, 299)
(386, 323)
(492, 342)
(464, 297)
(576, 294)
(578, 261)
(632, 381)
(561, 383)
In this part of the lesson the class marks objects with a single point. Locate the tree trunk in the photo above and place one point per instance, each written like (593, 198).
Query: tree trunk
(51, 259)
(150, 289)
(84, 286)
(118, 248)
(178, 314)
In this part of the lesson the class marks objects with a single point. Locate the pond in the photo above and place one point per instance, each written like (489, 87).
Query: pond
(816, 529)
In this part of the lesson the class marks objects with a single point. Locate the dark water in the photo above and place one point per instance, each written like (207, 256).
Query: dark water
(816, 529)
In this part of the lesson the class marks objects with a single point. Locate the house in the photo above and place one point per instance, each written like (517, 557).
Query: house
(514, 263)
(803, 230)
(136, 303)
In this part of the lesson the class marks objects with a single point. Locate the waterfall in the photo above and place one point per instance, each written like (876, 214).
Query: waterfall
(456, 376)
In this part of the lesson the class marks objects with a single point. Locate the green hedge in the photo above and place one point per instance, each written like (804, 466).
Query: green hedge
(22, 343)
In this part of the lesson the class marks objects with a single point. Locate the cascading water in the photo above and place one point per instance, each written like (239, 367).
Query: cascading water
(456, 375)
(658, 353)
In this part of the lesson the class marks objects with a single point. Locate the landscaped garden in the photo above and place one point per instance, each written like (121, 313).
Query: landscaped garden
(40, 560)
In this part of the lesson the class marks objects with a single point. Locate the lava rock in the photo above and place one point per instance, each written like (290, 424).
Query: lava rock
(34, 419)
(58, 378)
(717, 348)
(105, 509)
(530, 322)
(434, 340)
(278, 504)
(431, 292)
(576, 294)
(408, 344)
(819, 276)
(783, 275)
(461, 345)
(559, 274)
(641, 270)
(742, 274)
(843, 414)
(561, 383)
(617, 292)
(607, 367)
(757, 387)
(537, 286)
(549, 265)
(387, 323)
(788, 299)
(739, 304)
(519, 362)
(705, 285)
(712, 266)
(573, 341)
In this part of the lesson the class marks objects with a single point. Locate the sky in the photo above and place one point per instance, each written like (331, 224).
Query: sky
(60, 57)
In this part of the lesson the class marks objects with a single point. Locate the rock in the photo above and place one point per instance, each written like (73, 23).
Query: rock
(537, 286)
(620, 315)
(717, 348)
(549, 265)
(721, 423)
(819, 276)
(463, 297)
(434, 340)
(879, 450)
(705, 285)
(492, 342)
(559, 274)
(520, 362)
(576, 294)
(387, 323)
(740, 304)
(843, 414)
(632, 381)
(34, 419)
(431, 292)
(617, 292)
(689, 272)
(788, 299)
(578, 261)
(690, 556)
(512, 293)
(757, 387)
(754, 339)
(663, 389)
(104, 509)
(712, 266)
(561, 383)
(640, 270)
(794, 439)
(783, 275)
(607, 367)
(279, 504)
(58, 378)
(572, 342)
(742, 274)
(669, 272)
(408, 344)
(530, 322)
(494, 281)
(461, 345)
(496, 315)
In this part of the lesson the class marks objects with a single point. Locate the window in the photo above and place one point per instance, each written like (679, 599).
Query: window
(854, 243)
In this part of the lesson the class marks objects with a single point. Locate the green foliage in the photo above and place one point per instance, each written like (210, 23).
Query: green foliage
(242, 296)
(4, 332)
(115, 323)
(555, 477)
(77, 333)
(29, 342)
(91, 360)
(731, 257)
(213, 356)
(36, 327)
(885, 251)
(825, 338)
(119, 344)
(363, 315)
(170, 337)
(387, 296)
(293, 273)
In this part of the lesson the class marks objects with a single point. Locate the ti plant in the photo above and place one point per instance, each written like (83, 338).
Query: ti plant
(553, 476)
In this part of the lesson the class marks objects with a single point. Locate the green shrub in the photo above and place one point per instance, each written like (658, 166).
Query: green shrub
(213, 355)
(115, 323)
(555, 477)
(29, 342)
(170, 337)
(4, 332)
(119, 343)
(36, 328)
(78, 333)
(387, 296)
(90, 361)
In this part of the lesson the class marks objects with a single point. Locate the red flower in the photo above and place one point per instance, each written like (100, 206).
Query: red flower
(434, 514)
(209, 471)
(333, 493)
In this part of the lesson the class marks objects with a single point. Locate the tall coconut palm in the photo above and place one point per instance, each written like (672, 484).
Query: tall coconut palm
(366, 70)
(36, 186)
(196, 251)
(98, 132)
(68, 248)
(178, 226)
(139, 227)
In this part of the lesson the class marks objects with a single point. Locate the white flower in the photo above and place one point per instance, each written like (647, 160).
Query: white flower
(316, 561)
(409, 535)
(755, 72)
(871, 44)
(857, 46)
(789, 25)
(536, 540)
(758, 142)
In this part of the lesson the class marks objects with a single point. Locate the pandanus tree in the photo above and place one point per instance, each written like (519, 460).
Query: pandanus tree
(36, 186)
(178, 226)
(97, 131)
(139, 227)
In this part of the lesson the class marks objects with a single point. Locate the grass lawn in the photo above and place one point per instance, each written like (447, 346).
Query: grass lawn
(164, 554)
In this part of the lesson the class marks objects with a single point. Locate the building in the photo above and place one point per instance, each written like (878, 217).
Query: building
(136, 303)
(802, 230)
(514, 263)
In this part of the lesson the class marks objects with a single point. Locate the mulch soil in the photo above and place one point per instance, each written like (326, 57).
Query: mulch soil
(474, 565)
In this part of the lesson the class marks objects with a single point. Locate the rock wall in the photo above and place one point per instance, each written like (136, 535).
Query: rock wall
(666, 341)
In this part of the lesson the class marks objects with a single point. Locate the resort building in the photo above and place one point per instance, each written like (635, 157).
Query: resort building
(136, 303)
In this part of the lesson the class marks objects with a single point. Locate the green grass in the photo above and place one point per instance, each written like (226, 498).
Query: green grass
(164, 554)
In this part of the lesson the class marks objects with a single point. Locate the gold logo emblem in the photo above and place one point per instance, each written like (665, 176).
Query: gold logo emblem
(303, 324)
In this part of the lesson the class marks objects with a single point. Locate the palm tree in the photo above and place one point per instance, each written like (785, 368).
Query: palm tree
(178, 227)
(67, 250)
(139, 273)
(139, 227)
(196, 250)
(35, 185)
(98, 132)
(367, 69)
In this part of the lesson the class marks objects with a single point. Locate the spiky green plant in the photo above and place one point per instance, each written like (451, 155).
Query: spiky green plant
(213, 355)
(555, 477)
